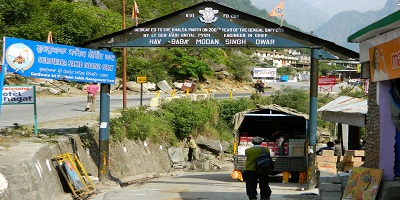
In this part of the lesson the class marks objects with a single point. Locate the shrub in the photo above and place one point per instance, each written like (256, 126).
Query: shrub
(190, 116)
(297, 99)
(228, 108)
(261, 100)
(141, 124)
(351, 92)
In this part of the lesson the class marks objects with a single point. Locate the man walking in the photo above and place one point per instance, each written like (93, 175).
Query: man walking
(251, 176)
(91, 90)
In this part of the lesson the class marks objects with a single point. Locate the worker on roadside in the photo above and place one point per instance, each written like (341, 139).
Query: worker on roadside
(338, 148)
(330, 146)
(192, 148)
(91, 90)
(252, 176)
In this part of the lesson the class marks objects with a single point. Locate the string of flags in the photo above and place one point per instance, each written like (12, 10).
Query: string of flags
(278, 11)
(135, 13)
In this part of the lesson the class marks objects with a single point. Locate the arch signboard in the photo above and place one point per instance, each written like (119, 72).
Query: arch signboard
(209, 24)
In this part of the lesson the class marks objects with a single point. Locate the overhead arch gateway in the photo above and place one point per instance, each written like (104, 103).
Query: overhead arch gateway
(209, 24)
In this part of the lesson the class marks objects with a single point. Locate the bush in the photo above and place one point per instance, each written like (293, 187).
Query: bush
(190, 116)
(141, 124)
(261, 100)
(351, 92)
(297, 99)
(228, 108)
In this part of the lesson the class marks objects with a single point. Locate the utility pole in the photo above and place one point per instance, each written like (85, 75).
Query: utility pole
(124, 106)
(313, 118)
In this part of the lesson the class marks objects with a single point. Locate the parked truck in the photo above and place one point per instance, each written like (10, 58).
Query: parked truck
(284, 131)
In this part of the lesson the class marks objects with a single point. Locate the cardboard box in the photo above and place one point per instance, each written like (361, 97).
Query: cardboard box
(326, 164)
(354, 153)
(328, 170)
(352, 159)
(297, 151)
(354, 164)
(331, 159)
(296, 144)
(328, 153)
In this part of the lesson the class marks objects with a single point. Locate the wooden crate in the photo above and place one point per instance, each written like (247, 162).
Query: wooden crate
(354, 153)
(328, 153)
(325, 164)
(353, 164)
(331, 159)
(352, 159)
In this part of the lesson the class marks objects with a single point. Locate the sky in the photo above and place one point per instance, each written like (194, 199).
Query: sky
(333, 7)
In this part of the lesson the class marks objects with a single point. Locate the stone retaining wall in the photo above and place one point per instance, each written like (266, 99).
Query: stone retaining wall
(28, 171)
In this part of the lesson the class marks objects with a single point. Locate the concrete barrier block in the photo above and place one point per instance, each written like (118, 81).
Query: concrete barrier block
(330, 187)
(344, 177)
(155, 102)
(331, 194)
(331, 198)
(330, 179)
(335, 179)
(201, 96)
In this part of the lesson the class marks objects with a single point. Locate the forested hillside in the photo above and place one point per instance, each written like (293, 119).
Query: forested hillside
(75, 22)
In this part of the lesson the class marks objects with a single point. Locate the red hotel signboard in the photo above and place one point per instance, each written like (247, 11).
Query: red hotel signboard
(326, 80)
(326, 83)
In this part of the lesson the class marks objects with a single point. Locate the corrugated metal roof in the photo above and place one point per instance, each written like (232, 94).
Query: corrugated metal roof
(346, 104)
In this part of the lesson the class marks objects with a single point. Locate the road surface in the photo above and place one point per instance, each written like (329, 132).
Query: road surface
(57, 108)
(215, 185)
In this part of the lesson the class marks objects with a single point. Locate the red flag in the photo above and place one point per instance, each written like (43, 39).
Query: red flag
(49, 38)
(135, 12)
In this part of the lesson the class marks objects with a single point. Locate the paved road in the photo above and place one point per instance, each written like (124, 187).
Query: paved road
(215, 185)
(49, 109)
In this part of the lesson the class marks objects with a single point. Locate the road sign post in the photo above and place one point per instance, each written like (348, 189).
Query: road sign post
(141, 80)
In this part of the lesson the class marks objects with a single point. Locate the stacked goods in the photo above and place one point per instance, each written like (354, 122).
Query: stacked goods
(273, 147)
(297, 147)
(332, 186)
(352, 158)
(326, 163)
(244, 143)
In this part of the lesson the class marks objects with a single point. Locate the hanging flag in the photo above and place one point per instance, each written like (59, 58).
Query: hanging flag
(135, 12)
(49, 38)
(278, 11)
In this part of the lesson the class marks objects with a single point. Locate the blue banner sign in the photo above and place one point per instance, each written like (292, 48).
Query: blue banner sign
(1, 82)
(60, 62)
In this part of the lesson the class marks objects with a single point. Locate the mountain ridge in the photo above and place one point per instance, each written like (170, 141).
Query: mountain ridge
(310, 18)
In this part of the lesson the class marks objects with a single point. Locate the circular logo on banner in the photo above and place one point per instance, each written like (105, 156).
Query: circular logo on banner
(19, 57)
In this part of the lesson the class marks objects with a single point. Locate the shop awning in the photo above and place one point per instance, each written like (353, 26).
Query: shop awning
(346, 110)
